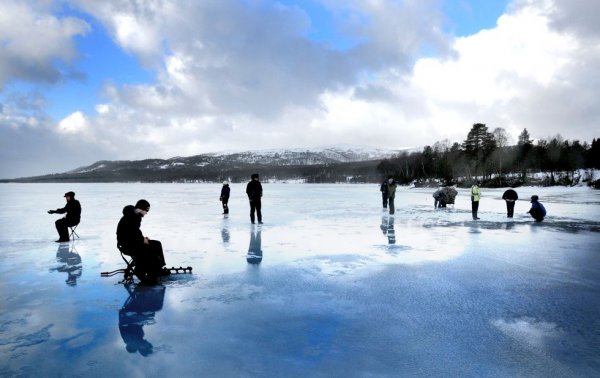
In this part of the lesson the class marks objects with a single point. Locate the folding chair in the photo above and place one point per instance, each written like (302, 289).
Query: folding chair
(127, 271)
(73, 233)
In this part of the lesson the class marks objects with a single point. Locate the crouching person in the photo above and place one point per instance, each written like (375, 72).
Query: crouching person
(147, 254)
(537, 211)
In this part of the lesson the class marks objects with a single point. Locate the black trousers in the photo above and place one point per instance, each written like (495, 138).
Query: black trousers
(255, 206)
(225, 207)
(510, 208)
(62, 226)
(149, 261)
(384, 198)
(474, 208)
(537, 215)
(391, 202)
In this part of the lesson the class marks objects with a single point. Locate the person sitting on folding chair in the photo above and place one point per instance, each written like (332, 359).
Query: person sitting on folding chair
(147, 254)
(71, 219)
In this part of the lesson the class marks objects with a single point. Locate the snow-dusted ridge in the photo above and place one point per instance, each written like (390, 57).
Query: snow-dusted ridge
(276, 157)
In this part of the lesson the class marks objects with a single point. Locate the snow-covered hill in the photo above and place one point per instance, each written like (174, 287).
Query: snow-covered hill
(272, 157)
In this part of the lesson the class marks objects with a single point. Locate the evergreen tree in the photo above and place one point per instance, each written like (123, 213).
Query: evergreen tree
(478, 146)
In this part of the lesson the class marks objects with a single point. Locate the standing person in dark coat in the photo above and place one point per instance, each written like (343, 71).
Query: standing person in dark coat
(224, 198)
(254, 192)
(510, 196)
(537, 211)
(475, 197)
(147, 254)
(73, 210)
(384, 193)
(391, 193)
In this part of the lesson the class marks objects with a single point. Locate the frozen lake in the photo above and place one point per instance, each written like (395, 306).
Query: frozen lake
(342, 289)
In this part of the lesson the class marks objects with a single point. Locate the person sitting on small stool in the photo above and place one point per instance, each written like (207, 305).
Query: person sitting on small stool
(73, 210)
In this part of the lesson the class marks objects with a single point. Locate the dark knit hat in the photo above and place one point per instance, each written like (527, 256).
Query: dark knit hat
(534, 198)
(69, 194)
(254, 175)
(143, 205)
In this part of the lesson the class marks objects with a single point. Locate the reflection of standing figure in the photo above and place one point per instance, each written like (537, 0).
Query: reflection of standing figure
(384, 193)
(139, 310)
(71, 263)
(391, 233)
(224, 198)
(510, 196)
(255, 252)
(254, 192)
(383, 227)
(225, 232)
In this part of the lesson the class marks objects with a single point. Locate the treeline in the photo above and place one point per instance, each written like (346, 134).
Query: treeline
(486, 156)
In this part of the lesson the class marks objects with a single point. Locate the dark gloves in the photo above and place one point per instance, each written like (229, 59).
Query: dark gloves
(51, 211)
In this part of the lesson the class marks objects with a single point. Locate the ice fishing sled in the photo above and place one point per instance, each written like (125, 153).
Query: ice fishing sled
(137, 267)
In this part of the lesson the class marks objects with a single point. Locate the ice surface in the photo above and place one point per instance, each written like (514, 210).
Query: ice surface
(329, 286)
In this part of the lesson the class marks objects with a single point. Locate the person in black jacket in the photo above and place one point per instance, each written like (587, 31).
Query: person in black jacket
(383, 188)
(254, 192)
(510, 196)
(224, 198)
(73, 210)
(147, 254)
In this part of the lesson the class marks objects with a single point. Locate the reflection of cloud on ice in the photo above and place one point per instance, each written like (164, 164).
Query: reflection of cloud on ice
(528, 331)
(422, 245)
(335, 265)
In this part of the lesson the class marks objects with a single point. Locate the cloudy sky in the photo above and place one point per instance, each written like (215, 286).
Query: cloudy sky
(86, 80)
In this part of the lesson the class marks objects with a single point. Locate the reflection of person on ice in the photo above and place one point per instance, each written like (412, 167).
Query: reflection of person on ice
(137, 311)
(147, 254)
(537, 211)
(224, 198)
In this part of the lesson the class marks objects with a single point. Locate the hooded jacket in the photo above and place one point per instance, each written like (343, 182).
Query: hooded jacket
(129, 235)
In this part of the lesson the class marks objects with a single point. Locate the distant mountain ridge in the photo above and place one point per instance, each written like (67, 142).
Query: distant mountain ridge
(325, 164)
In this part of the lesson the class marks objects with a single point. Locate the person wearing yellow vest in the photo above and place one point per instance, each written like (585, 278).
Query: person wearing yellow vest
(475, 197)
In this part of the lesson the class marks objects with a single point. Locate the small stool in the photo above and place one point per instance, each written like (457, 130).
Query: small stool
(73, 233)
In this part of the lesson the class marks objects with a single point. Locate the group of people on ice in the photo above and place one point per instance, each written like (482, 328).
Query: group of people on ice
(147, 254)
(446, 196)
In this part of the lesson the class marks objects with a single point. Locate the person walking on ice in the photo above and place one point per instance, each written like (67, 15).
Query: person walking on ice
(391, 184)
(384, 193)
(254, 192)
(510, 196)
(475, 197)
(224, 198)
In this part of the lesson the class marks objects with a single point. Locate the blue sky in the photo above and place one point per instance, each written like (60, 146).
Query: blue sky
(82, 80)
